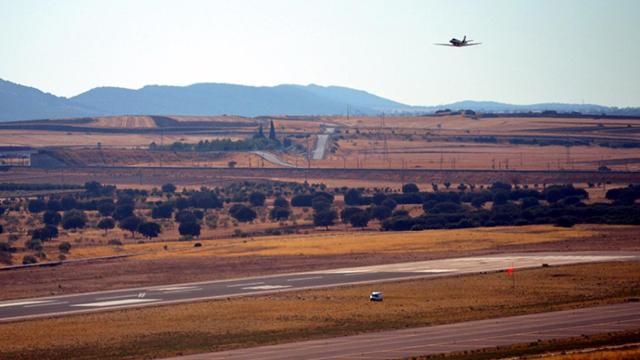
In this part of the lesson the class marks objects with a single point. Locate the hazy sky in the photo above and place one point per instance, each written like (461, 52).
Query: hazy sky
(533, 51)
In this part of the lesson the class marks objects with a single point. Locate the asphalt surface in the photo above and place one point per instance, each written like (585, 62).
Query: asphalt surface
(273, 158)
(448, 338)
(188, 292)
(321, 144)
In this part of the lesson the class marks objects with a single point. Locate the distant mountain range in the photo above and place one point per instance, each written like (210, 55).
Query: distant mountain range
(18, 102)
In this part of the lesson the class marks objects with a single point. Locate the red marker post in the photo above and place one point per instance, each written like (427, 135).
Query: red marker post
(510, 272)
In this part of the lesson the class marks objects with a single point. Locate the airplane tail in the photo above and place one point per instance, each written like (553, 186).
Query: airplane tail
(464, 38)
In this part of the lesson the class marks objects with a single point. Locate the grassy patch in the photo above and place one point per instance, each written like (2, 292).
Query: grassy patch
(242, 322)
(357, 242)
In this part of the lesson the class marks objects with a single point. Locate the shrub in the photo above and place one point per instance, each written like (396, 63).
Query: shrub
(320, 203)
(36, 205)
(68, 203)
(352, 197)
(168, 188)
(348, 212)
(54, 205)
(389, 203)
(410, 188)
(29, 259)
(123, 211)
(115, 242)
(45, 233)
(34, 244)
(51, 217)
(280, 202)
(106, 208)
(242, 213)
(324, 218)
(74, 219)
(185, 216)
(64, 247)
(257, 198)
(162, 211)
(206, 200)
(106, 224)
(182, 203)
(189, 228)
(303, 200)
(279, 213)
(360, 219)
(149, 229)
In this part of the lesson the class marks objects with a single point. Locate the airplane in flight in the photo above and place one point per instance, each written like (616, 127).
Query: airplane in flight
(460, 43)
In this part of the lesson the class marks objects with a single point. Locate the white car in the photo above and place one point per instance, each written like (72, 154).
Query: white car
(376, 296)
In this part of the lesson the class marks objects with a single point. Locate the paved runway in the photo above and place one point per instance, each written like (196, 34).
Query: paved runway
(188, 292)
(447, 338)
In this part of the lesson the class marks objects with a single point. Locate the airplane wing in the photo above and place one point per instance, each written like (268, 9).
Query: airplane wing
(443, 44)
(472, 44)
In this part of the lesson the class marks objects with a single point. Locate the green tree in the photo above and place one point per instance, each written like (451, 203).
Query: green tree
(257, 198)
(51, 217)
(360, 219)
(106, 208)
(162, 211)
(74, 219)
(168, 188)
(36, 205)
(279, 213)
(242, 213)
(280, 202)
(106, 224)
(324, 218)
(149, 229)
(189, 228)
(410, 188)
(272, 132)
(130, 224)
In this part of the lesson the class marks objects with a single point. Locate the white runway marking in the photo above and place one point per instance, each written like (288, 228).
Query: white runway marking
(175, 288)
(305, 278)
(182, 291)
(247, 284)
(267, 287)
(117, 297)
(47, 304)
(21, 303)
(116, 302)
(437, 271)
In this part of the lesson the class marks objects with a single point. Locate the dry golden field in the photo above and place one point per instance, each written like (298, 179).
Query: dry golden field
(242, 322)
(39, 138)
(218, 242)
(433, 142)
(631, 352)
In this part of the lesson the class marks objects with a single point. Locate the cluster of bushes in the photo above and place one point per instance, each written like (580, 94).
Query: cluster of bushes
(563, 206)
(221, 145)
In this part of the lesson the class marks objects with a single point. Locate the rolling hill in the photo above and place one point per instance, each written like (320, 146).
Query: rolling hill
(18, 102)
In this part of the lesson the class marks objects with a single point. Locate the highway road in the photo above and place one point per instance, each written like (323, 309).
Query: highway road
(321, 144)
(447, 338)
(188, 292)
(273, 158)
